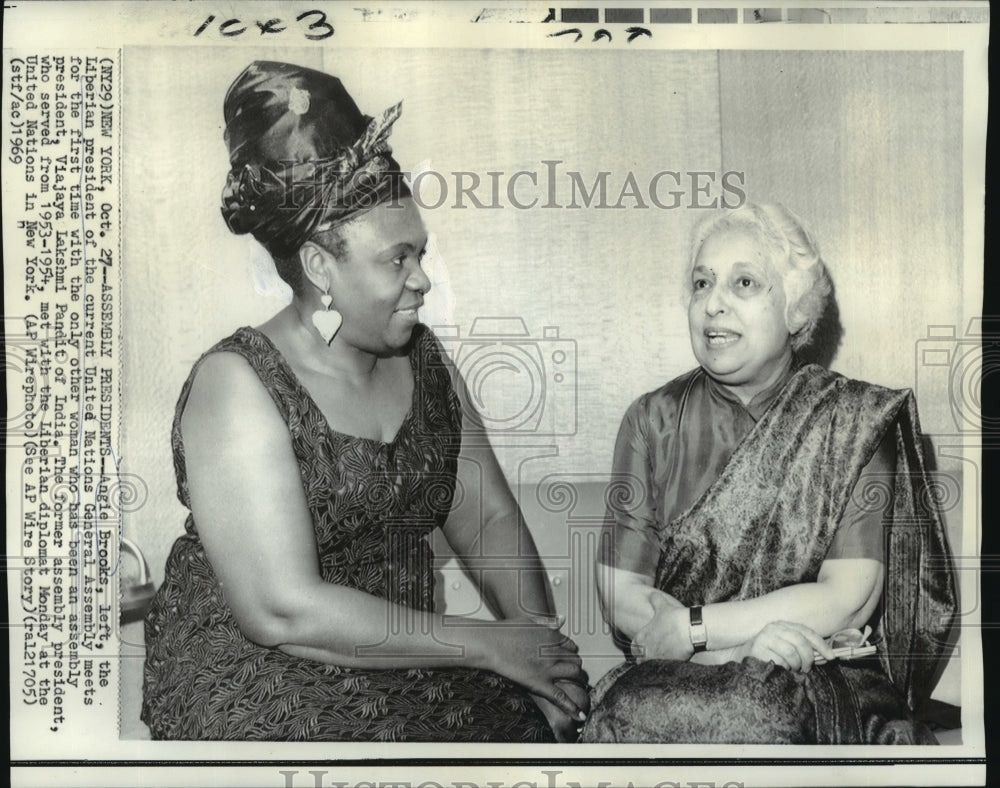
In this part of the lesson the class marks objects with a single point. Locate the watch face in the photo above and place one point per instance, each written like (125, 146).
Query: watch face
(699, 635)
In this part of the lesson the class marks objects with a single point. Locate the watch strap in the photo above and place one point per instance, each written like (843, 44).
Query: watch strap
(699, 634)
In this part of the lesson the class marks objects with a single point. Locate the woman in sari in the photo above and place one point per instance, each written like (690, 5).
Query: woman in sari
(317, 452)
(779, 504)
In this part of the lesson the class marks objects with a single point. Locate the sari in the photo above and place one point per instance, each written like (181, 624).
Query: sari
(768, 521)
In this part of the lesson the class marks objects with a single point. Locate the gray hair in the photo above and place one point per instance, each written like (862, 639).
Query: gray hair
(792, 250)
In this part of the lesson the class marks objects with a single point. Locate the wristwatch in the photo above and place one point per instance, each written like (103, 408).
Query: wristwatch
(699, 635)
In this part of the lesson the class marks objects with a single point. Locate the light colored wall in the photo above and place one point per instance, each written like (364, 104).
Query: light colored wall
(865, 148)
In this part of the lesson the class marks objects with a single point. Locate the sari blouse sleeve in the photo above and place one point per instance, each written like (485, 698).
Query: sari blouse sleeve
(630, 538)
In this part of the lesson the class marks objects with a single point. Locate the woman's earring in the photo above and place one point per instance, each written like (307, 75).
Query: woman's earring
(327, 320)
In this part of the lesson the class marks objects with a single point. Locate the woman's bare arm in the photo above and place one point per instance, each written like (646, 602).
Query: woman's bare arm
(844, 595)
(488, 534)
(253, 519)
(627, 598)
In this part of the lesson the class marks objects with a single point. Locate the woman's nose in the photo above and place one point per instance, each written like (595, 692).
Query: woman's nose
(418, 280)
(715, 302)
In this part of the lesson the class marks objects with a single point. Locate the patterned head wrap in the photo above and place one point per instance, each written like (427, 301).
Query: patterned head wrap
(303, 157)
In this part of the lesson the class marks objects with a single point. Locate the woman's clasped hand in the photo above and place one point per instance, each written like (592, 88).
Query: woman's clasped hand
(665, 636)
(538, 656)
(788, 645)
(533, 653)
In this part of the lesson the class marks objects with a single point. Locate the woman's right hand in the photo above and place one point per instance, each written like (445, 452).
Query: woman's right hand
(538, 657)
(566, 727)
(788, 645)
(665, 635)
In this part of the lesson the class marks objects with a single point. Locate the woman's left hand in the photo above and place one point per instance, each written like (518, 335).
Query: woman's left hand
(666, 635)
(788, 645)
(565, 727)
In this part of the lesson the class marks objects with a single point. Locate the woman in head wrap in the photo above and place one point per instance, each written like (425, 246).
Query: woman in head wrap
(317, 452)
(775, 504)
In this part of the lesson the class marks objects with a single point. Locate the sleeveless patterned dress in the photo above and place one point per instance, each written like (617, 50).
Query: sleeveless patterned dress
(373, 506)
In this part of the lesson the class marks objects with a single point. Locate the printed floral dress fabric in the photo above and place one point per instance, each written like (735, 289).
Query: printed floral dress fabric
(373, 506)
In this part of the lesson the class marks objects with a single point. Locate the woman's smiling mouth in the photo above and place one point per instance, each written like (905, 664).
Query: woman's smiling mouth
(409, 312)
(720, 338)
